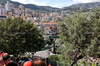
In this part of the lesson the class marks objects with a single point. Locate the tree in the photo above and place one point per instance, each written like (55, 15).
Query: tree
(18, 35)
(80, 33)
(54, 57)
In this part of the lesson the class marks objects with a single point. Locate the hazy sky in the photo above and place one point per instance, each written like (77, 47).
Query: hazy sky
(55, 3)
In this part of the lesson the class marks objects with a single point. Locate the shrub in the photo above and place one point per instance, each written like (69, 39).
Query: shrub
(54, 57)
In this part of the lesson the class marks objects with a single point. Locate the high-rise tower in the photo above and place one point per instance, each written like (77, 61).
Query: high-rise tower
(7, 6)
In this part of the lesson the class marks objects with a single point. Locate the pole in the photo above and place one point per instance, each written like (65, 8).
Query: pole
(57, 63)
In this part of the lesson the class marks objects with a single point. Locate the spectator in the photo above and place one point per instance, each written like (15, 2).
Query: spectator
(6, 58)
(17, 59)
(19, 63)
(1, 52)
(49, 64)
(12, 64)
(39, 62)
(27, 63)
(1, 61)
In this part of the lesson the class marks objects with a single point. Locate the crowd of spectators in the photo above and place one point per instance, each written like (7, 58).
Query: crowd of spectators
(7, 60)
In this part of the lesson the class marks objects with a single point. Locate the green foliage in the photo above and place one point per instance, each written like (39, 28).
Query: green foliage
(54, 57)
(53, 60)
(17, 35)
(80, 33)
(48, 47)
(84, 63)
(48, 42)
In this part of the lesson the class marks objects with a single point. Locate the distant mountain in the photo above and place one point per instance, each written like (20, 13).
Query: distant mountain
(4, 1)
(32, 6)
(82, 6)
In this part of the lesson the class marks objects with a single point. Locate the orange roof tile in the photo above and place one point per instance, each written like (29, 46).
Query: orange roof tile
(4, 14)
(47, 27)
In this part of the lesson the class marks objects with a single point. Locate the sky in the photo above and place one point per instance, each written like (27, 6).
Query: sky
(55, 3)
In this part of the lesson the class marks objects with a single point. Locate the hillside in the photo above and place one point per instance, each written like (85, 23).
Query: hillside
(32, 6)
(4, 1)
(82, 6)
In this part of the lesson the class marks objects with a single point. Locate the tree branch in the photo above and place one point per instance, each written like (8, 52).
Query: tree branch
(77, 58)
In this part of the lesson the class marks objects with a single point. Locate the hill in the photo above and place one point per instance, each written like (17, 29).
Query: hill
(35, 7)
(82, 6)
(4, 1)
(32, 6)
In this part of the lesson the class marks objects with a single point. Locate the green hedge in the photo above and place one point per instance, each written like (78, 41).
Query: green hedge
(54, 57)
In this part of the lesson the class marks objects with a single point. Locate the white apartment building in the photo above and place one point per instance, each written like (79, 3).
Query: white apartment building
(2, 9)
(7, 6)
(11, 6)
